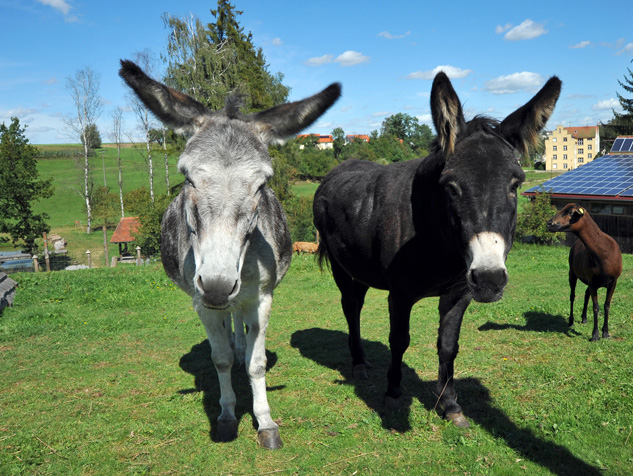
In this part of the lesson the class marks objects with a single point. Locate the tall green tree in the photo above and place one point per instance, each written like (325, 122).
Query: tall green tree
(622, 122)
(416, 136)
(19, 187)
(339, 142)
(211, 62)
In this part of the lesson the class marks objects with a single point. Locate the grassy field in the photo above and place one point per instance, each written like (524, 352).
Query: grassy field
(107, 372)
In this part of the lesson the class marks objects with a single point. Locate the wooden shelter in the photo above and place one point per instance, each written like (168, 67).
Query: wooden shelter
(124, 234)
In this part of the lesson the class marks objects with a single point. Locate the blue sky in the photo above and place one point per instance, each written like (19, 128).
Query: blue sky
(384, 53)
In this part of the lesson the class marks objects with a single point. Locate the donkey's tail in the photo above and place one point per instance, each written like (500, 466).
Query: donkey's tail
(322, 256)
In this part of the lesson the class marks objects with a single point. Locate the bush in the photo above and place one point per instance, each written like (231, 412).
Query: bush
(532, 221)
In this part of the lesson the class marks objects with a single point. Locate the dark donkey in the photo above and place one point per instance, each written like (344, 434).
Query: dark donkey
(437, 226)
(225, 241)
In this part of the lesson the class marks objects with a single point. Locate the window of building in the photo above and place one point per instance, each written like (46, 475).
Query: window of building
(588, 146)
(564, 156)
(554, 157)
(581, 160)
(553, 139)
(555, 148)
(581, 151)
(564, 139)
(580, 141)
(564, 147)
(564, 166)
(589, 155)
(554, 166)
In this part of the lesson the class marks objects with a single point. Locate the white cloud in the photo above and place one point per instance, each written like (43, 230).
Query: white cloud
(277, 42)
(513, 83)
(582, 44)
(525, 31)
(451, 71)
(606, 104)
(502, 29)
(381, 114)
(319, 60)
(627, 49)
(389, 36)
(60, 5)
(351, 58)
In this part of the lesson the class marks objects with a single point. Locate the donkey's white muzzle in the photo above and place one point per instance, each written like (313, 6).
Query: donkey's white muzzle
(487, 275)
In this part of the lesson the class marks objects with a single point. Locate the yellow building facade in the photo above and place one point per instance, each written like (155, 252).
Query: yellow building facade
(567, 148)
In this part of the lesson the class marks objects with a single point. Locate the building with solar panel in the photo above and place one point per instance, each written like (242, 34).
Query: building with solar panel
(567, 148)
(604, 187)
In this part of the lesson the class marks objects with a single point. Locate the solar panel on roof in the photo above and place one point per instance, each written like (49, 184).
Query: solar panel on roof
(610, 175)
(617, 145)
(626, 146)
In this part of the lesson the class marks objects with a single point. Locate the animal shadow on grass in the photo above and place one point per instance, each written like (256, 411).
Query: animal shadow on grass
(329, 349)
(198, 363)
(535, 322)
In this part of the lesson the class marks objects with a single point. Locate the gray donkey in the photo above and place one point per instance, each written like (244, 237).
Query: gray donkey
(225, 240)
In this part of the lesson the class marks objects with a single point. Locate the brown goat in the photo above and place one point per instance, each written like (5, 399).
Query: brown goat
(595, 259)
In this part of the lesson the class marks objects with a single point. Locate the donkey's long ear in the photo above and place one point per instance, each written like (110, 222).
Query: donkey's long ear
(521, 128)
(278, 123)
(446, 110)
(179, 111)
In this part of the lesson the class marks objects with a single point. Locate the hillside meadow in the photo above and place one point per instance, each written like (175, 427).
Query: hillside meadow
(108, 372)
(66, 208)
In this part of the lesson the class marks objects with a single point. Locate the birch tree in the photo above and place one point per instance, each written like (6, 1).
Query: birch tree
(83, 88)
(116, 136)
(145, 60)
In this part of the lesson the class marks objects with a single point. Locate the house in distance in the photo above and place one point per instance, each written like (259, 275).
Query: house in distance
(604, 186)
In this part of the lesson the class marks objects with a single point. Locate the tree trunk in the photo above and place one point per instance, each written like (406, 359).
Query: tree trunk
(86, 188)
(166, 161)
(120, 180)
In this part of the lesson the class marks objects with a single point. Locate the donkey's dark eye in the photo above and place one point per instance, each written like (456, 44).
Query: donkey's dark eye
(454, 191)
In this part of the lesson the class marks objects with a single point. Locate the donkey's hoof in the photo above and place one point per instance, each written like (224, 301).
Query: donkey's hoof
(359, 371)
(458, 419)
(269, 439)
(227, 431)
(396, 403)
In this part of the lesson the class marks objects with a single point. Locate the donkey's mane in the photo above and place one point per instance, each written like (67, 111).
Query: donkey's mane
(479, 123)
(232, 106)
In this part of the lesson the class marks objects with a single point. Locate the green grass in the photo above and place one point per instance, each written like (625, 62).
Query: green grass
(107, 372)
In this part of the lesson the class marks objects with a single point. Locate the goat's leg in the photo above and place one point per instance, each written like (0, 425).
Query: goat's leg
(596, 309)
(256, 322)
(584, 307)
(572, 295)
(222, 356)
(607, 308)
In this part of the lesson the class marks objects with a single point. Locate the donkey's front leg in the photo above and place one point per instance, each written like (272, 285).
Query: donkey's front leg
(215, 323)
(452, 308)
(256, 322)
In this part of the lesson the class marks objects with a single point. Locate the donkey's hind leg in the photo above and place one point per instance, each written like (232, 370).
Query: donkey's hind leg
(352, 300)
(607, 308)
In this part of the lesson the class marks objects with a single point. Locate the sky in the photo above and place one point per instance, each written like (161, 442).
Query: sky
(385, 54)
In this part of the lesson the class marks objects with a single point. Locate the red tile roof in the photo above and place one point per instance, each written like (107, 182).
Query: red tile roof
(322, 139)
(125, 230)
(588, 132)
